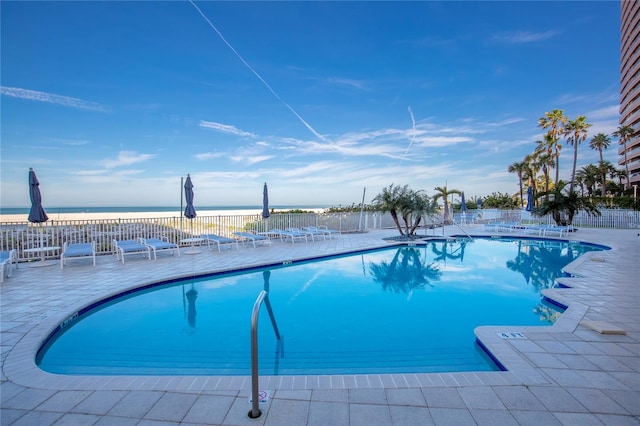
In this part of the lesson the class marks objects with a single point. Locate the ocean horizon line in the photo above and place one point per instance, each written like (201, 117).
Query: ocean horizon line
(151, 209)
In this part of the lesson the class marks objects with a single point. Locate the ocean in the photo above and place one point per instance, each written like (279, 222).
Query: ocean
(138, 209)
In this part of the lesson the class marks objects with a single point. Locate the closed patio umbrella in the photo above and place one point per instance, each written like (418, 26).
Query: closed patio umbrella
(265, 202)
(190, 213)
(37, 213)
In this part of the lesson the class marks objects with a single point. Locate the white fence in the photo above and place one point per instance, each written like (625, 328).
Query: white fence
(23, 236)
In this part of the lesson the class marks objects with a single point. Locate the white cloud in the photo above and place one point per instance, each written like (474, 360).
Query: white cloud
(522, 37)
(126, 158)
(51, 98)
(225, 128)
(208, 155)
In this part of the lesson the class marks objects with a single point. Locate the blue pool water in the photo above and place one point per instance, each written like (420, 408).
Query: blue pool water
(406, 309)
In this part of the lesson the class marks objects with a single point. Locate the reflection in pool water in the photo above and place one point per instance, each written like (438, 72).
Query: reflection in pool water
(400, 309)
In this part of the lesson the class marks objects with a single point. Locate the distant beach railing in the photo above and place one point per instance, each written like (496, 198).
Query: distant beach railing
(23, 236)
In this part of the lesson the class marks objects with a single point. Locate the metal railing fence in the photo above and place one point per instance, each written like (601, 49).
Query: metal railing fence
(55, 233)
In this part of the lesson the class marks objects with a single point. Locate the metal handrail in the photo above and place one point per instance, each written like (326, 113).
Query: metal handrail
(262, 297)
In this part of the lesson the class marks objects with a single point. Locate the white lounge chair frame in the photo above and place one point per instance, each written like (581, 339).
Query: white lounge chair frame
(220, 241)
(126, 247)
(253, 238)
(77, 251)
(289, 235)
(156, 245)
(7, 259)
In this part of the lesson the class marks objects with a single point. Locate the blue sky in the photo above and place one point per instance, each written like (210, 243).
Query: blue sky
(113, 102)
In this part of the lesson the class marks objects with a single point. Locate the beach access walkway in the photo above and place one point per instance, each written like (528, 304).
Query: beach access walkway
(566, 374)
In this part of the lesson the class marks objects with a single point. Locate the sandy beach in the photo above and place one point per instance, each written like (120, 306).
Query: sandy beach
(12, 218)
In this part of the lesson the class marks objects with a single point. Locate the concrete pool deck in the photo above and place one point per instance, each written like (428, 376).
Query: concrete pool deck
(567, 374)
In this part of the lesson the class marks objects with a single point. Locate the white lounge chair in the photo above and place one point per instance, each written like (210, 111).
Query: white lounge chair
(323, 229)
(78, 250)
(126, 247)
(285, 235)
(219, 240)
(253, 238)
(7, 259)
(156, 245)
(308, 232)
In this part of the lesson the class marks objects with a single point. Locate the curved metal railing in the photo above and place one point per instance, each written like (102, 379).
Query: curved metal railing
(262, 297)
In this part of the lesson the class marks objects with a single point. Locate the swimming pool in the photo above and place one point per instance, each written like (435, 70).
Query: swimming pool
(401, 309)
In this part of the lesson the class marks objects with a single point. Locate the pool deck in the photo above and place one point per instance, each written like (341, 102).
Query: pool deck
(566, 374)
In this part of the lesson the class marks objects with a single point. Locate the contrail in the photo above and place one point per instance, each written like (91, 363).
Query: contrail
(307, 125)
(413, 138)
(413, 135)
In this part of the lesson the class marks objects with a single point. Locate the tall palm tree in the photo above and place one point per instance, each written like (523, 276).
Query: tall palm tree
(576, 132)
(546, 158)
(624, 133)
(601, 142)
(555, 122)
(533, 166)
(443, 192)
(519, 168)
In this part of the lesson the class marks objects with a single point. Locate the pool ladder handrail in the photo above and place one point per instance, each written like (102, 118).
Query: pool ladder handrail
(262, 297)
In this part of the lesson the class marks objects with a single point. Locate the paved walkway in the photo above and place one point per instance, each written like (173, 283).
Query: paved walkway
(567, 374)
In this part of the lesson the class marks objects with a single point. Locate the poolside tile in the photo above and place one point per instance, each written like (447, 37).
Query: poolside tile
(578, 419)
(408, 415)
(135, 404)
(32, 418)
(557, 399)
(367, 396)
(480, 398)
(171, 407)
(28, 399)
(616, 420)
(596, 401)
(99, 402)
(452, 416)
(518, 398)
(367, 415)
(288, 412)
(535, 418)
(209, 409)
(493, 417)
(405, 397)
(74, 419)
(64, 401)
(323, 413)
(443, 398)
(117, 421)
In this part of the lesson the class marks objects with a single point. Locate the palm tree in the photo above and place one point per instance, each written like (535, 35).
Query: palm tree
(555, 122)
(443, 192)
(421, 206)
(576, 132)
(601, 142)
(545, 158)
(390, 200)
(624, 133)
(533, 166)
(520, 168)
(563, 206)
(588, 176)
